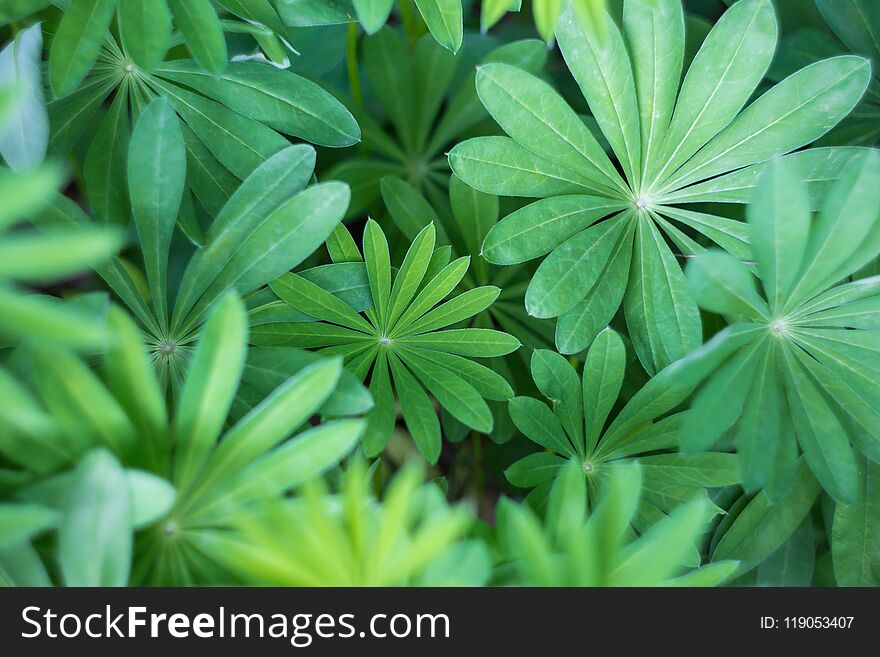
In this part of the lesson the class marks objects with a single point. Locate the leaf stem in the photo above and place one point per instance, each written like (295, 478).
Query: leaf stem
(351, 62)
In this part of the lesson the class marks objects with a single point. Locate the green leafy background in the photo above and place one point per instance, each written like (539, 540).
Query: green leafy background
(440, 292)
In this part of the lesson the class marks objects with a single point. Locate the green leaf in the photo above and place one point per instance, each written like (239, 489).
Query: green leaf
(718, 405)
(534, 469)
(762, 527)
(202, 32)
(458, 309)
(455, 395)
(317, 302)
(757, 435)
(77, 42)
(387, 65)
(239, 143)
(24, 130)
(663, 319)
(54, 252)
(820, 433)
(279, 99)
(820, 168)
(848, 216)
(722, 284)
(708, 470)
(277, 242)
(409, 210)
(252, 204)
(380, 421)
(731, 62)
(793, 563)
(145, 30)
(95, 536)
(476, 343)
(855, 23)
(655, 35)
(307, 456)
(282, 412)
(577, 328)
(444, 20)
(662, 550)
(500, 166)
(604, 368)
(156, 179)
(209, 389)
(540, 425)
(418, 412)
(131, 377)
(597, 57)
(491, 11)
(794, 113)
(21, 522)
(539, 119)
(378, 263)
(558, 382)
(572, 268)
(779, 225)
(151, 497)
(546, 14)
(373, 14)
(485, 380)
(106, 164)
(855, 534)
(411, 274)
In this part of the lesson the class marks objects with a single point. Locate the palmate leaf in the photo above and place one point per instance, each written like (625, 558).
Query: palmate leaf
(429, 100)
(807, 366)
(473, 216)
(215, 465)
(573, 429)
(579, 546)
(232, 121)
(404, 538)
(675, 145)
(402, 344)
(269, 225)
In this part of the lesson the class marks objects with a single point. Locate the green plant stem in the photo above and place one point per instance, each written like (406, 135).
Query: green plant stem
(409, 24)
(479, 474)
(351, 63)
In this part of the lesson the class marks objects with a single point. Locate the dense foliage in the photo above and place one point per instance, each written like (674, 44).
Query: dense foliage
(440, 292)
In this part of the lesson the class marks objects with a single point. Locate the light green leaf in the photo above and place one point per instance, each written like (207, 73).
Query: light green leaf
(531, 112)
(725, 72)
(500, 166)
(572, 268)
(210, 386)
(538, 228)
(598, 60)
(444, 20)
(24, 129)
(95, 536)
